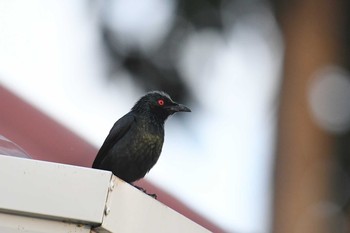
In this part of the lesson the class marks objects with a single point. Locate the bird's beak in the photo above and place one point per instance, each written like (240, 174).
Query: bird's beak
(179, 108)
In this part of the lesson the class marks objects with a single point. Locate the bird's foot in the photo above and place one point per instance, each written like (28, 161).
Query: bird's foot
(152, 195)
(144, 190)
(140, 188)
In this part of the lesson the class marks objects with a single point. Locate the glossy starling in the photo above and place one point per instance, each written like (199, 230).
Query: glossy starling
(135, 142)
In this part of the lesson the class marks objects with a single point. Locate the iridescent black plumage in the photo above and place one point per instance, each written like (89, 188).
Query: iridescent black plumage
(135, 142)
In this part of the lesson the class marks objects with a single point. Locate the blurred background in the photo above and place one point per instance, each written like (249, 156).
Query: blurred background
(266, 146)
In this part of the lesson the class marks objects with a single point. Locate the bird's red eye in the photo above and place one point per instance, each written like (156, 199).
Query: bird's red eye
(161, 102)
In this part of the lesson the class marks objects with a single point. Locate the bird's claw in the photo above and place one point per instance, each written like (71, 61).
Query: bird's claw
(140, 188)
(152, 195)
(144, 191)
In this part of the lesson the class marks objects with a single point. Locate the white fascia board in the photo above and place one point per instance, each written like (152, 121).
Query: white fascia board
(130, 210)
(57, 194)
(52, 190)
(10, 223)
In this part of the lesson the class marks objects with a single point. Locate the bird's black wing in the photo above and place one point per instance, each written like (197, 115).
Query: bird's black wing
(118, 130)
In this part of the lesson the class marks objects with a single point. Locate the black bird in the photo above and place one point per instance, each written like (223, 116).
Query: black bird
(135, 142)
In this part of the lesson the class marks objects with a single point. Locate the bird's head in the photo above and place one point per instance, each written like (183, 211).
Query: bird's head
(158, 104)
